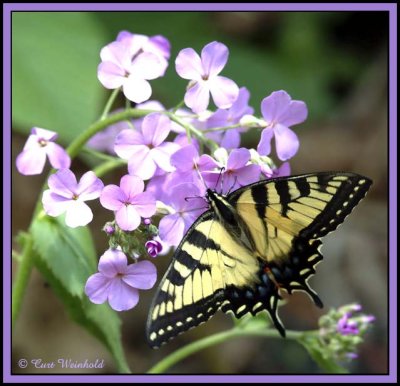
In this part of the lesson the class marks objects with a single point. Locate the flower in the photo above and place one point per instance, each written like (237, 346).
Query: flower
(230, 139)
(40, 144)
(118, 282)
(131, 61)
(280, 112)
(204, 74)
(185, 206)
(341, 332)
(129, 202)
(237, 171)
(146, 149)
(188, 165)
(68, 196)
(153, 247)
(346, 326)
(268, 169)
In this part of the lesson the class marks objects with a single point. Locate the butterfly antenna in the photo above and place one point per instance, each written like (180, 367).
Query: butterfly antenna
(220, 177)
(200, 176)
(232, 186)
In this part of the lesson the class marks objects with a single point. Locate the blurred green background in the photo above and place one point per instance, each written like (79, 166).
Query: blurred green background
(335, 61)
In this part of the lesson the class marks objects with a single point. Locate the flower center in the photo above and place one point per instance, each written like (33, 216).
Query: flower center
(42, 142)
(75, 196)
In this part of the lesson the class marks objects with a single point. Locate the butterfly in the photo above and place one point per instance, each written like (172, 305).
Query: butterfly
(248, 247)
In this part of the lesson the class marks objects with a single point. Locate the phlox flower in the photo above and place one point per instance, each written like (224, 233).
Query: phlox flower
(118, 282)
(68, 196)
(129, 202)
(145, 149)
(39, 145)
(131, 61)
(153, 247)
(203, 71)
(185, 207)
(237, 170)
(281, 112)
(230, 139)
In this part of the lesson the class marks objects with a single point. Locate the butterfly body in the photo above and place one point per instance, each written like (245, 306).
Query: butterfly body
(249, 246)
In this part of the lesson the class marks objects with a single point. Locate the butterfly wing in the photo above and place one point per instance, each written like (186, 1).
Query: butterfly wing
(206, 264)
(287, 216)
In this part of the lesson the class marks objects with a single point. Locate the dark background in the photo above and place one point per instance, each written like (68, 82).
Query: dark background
(335, 61)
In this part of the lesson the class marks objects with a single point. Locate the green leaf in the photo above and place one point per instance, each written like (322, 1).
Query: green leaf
(54, 64)
(66, 258)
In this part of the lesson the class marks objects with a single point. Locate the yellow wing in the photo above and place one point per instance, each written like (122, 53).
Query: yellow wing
(287, 216)
(206, 266)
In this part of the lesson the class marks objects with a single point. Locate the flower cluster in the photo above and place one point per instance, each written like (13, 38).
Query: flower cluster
(341, 331)
(172, 157)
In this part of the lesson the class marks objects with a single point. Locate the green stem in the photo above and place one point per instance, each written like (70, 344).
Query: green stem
(213, 340)
(178, 106)
(21, 279)
(107, 166)
(109, 103)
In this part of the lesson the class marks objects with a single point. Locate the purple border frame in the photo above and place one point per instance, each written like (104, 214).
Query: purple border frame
(389, 7)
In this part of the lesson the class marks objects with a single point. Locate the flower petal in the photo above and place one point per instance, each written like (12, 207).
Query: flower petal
(58, 157)
(110, 75)
(45, 134)
(224, 91)
(63, 183)
(145, 204)
(213, 58)
(127, 218)
(131, 186)
(296, 113)
(188, 64)
(126, 141)
(89, 187)
(78, 214)
(31, 161)
(275, 105)
(112, 197)
(155, 128)
(97, 287)
(264, 146)
(162, 155)
(231, 139)
(136, 89)
(286, 142)
(184, 158)
(197, 97)
(238, 158)
(141, 275)
(118, 52)
(148, 66)
(112, 263)
(159, 45)
(54, 205)
(248, 174)
(121, 296)
(171, 229)
(141, 163)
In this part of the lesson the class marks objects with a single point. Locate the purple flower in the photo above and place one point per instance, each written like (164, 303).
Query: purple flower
(68, 196)
(186, 208)
(237, 170)
(130, 62)
(109, 229)
(153, 247)
(345, 326)
(204, 74)
(129, 202)
(146, 149)
(117, 282)
(39, 145)
(230, 139)
(188, 164)
(280, 112)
